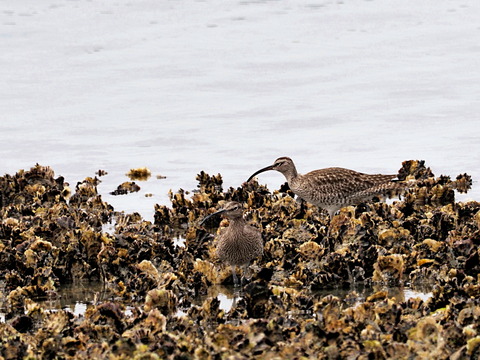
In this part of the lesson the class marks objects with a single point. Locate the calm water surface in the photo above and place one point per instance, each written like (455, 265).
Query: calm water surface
(187, 86)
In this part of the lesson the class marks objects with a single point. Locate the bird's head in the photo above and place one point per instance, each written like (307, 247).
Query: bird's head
(283, 164)
(231, 210)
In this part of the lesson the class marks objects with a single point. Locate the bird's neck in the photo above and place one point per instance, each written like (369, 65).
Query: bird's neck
(237, 222)
(291, 174)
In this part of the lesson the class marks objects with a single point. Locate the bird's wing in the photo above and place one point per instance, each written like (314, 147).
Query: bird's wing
(343, 181)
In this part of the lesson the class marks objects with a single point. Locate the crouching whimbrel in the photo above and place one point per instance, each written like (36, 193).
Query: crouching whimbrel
(239, 243)
(334, 188)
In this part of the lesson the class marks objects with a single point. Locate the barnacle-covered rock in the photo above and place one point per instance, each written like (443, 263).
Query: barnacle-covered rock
(311, 249)
(321, 290)
(389, 269)
(473, 347)
(425, 339)
(162, 299)
(212, 273)
(148, 269)
(125, 188)
(141, 174)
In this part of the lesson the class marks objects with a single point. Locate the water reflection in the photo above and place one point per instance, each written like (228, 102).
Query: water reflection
(179, 241)
(411, 294)
(227, 295)
(109, 227)
(404, 293)
(77, 297)
(359, 293)
(227, 303)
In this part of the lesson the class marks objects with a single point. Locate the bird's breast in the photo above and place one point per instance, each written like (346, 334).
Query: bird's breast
(238, 248)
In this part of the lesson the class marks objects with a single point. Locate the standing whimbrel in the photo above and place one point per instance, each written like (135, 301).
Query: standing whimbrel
(239, 243)
(334, 188)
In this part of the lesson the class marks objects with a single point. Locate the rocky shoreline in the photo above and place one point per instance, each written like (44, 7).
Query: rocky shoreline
(51, 235)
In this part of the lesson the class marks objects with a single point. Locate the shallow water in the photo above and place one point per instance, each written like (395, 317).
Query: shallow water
(182, 87)
(77, 297)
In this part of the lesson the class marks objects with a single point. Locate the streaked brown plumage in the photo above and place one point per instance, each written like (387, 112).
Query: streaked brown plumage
(334, 188)
(239, 243)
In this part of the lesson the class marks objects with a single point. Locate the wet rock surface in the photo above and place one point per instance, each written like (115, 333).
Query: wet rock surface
(159, 303)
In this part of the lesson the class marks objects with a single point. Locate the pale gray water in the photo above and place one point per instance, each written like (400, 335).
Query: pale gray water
(185, 86)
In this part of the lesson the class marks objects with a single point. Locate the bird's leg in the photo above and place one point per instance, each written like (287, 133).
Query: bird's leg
(246, 273)
(234, 302)
(235, 278)
(329, 223)
(329, 228)
(328, 240)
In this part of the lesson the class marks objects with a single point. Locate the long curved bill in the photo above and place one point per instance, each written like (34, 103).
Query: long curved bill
(260, 171)
(211, 215)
